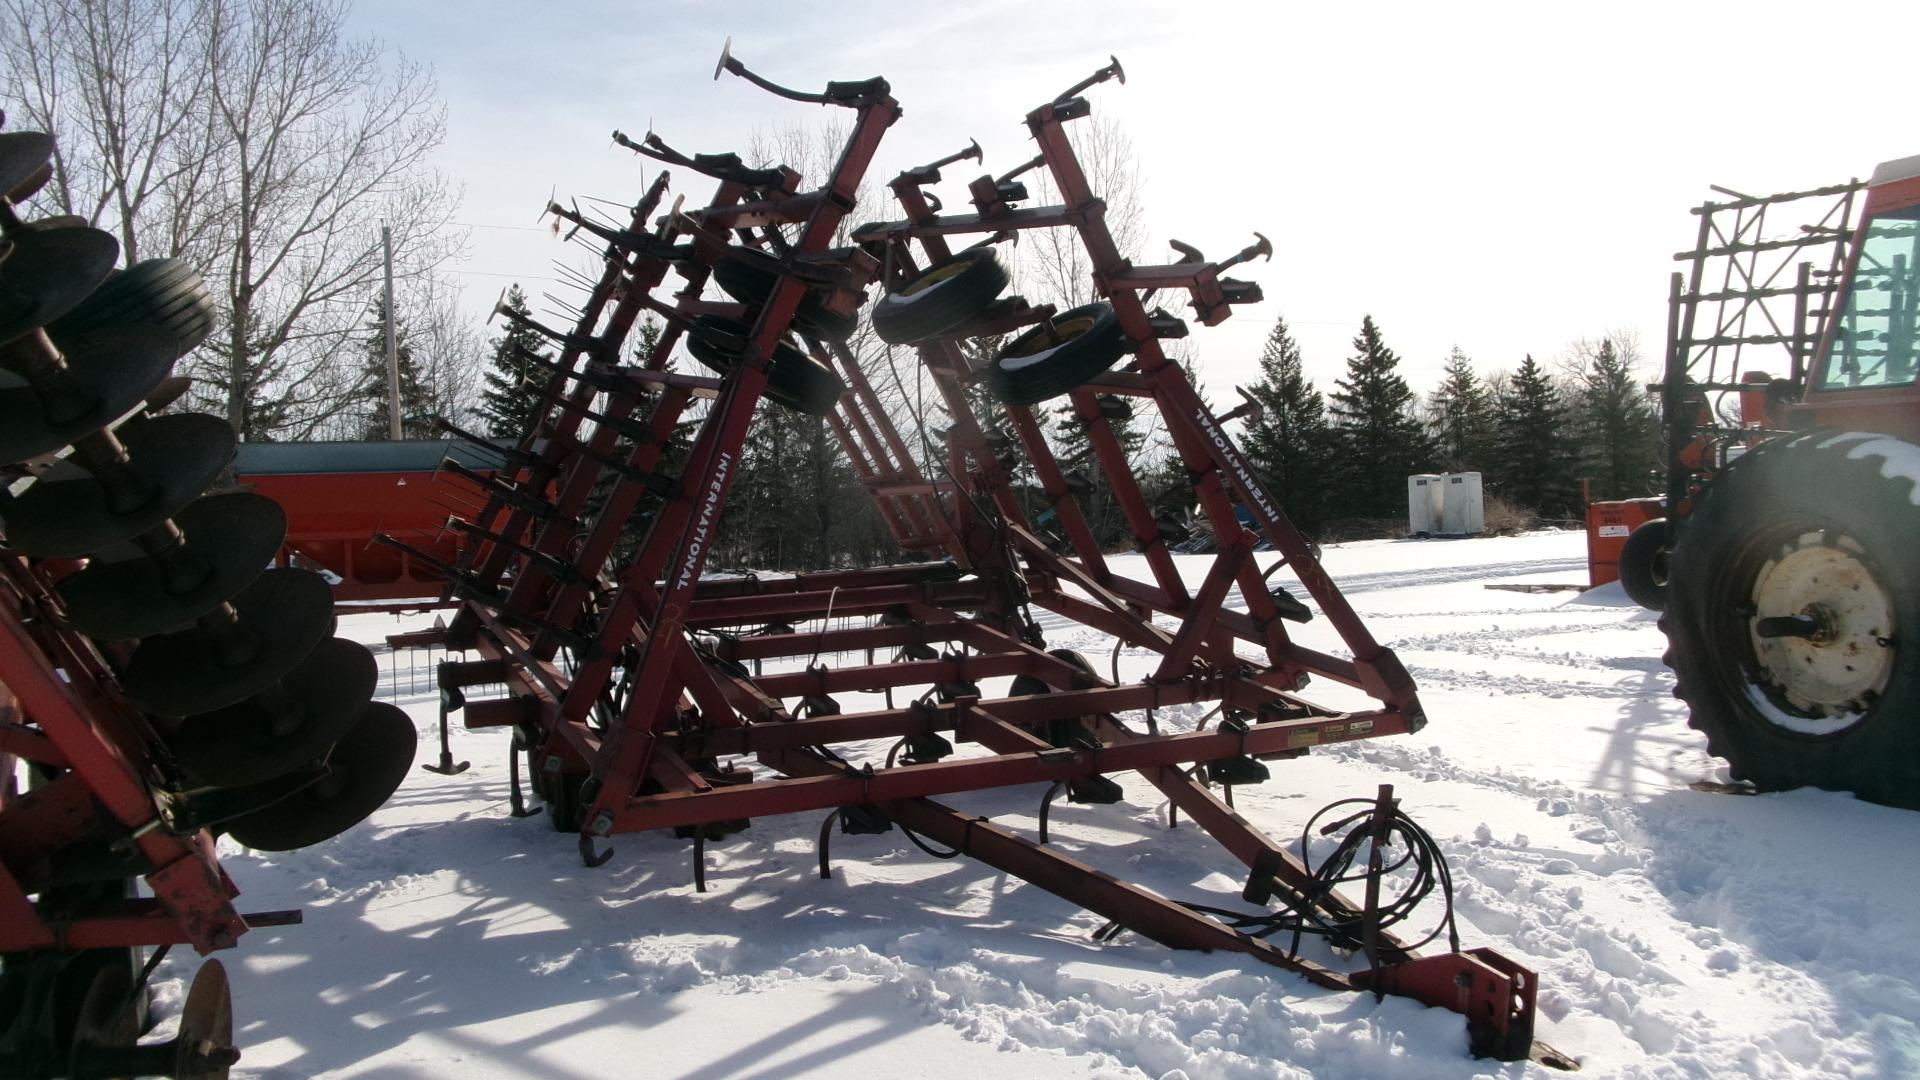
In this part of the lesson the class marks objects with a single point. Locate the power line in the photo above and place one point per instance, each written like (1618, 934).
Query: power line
(491, 273)
(507, 228)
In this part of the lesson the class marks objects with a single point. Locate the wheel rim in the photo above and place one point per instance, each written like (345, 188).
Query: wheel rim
(1036, 346)
(935, 276)
(1822, 633)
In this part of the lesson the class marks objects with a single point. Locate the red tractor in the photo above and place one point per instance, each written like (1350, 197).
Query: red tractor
(1789, 563)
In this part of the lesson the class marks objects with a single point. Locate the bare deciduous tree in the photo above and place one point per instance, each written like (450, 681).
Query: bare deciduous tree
(251, 139)
(1055, 265)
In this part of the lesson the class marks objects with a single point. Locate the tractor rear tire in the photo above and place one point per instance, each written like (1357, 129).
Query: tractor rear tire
(947, 296)
(1795, 586)
(1045, 363)
(1643, 564)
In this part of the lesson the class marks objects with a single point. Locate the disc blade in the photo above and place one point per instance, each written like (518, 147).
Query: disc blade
(203, 1049)
(104, 1025)
(364, 769)
(163, 293)
(22, 154)
(233, 536)
(44, 275)
(26, 189)
(65, 515)
(285, 613)
(116, 368)
(254, 741)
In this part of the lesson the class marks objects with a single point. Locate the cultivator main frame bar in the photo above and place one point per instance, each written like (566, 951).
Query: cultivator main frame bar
(638, 687)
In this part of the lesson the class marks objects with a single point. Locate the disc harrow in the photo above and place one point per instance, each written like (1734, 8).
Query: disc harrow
(159, 686)
(646, 694)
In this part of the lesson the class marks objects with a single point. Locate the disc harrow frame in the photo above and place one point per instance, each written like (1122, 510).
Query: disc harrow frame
(149, 662)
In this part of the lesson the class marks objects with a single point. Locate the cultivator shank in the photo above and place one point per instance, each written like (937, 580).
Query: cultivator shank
(649, 695)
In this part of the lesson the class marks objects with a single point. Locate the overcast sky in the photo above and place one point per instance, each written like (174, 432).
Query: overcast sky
(1506, 178)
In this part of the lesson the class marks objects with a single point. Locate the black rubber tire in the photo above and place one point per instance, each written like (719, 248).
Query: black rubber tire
(1029, 370)
(1825, 494)
(797, 380)
(1059, 732)
(1643, 564)
(154, 292)
(948, 295)
(749, 276)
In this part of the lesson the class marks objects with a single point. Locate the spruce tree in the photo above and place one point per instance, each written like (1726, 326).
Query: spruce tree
(1290, 446)
(513, 382)
(1534, 448)
(1073, 446)
(1619, 430)
(416, 399)
(1382, 442)
(1462, 416)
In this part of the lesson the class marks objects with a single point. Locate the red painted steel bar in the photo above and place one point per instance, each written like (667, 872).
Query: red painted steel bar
(653, 708)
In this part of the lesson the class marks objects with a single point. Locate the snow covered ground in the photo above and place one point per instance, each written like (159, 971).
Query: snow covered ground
(1676, 933)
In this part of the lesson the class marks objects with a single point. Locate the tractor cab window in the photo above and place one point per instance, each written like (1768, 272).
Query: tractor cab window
(1874, 343)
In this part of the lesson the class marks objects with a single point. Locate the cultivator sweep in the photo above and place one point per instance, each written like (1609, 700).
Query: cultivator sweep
(644, 692)
(159, 685)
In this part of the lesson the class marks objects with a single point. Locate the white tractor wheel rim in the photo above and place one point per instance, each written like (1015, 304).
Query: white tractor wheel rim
(1827, 681)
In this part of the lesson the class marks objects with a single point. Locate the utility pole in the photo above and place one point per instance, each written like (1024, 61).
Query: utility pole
(393, 346)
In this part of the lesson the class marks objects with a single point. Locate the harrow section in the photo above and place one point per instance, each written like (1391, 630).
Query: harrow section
(647, 695)
(159, 686)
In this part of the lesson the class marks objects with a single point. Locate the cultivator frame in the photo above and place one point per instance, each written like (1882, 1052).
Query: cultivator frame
(629, 677)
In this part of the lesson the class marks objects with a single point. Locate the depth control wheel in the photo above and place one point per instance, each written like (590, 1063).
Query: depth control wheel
(796, 380)
(1792, 587)
(1057, 357)
(945, 297)
(750, 275)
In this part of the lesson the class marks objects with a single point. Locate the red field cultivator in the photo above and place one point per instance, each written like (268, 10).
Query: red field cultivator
(646, 695)
(159, 685)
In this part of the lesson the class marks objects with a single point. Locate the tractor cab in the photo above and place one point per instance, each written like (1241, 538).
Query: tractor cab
(1863, 375)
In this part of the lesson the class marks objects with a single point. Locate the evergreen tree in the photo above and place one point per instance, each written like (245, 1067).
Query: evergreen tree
(514, 382)
(1461, 412)
(1290, 446)
(646, 337)
(416, 398)
(672, 461)
(1619, 430)
(1382, 442)
(1534, 448)
(1073, 446)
